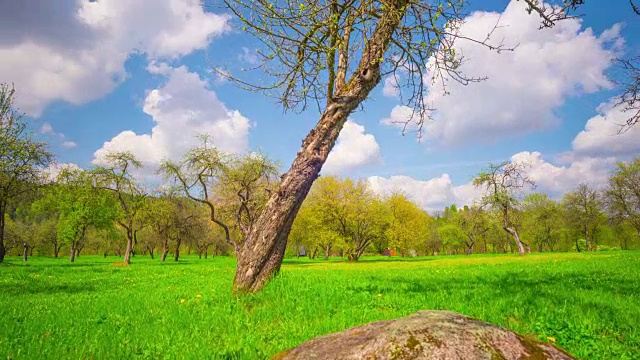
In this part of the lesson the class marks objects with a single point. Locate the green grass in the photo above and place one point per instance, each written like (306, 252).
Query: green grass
(50, 309)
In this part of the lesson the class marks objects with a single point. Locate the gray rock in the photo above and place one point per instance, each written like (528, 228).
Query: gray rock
(427, 335)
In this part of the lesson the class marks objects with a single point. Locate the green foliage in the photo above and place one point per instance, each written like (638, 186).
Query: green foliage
(22, 159)
(623, 195)
(79, 205)
(345, 213)
(57, 310)
(408, 224)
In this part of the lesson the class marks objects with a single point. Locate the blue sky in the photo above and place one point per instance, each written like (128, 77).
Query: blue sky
(136, 75)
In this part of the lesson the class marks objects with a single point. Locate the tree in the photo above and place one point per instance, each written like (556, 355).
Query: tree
(115, 176)
(502, 183)
(584, 211)
(542, 220)
(408, 224)
(22, 159)
(623, 195)
(234, 189)
(333, 54)
(80, 206)
(474, 224)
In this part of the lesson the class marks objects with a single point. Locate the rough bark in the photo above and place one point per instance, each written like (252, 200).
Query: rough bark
(261, 254)
(72, 257)
(586, 239)
(3, 250)
(176, 254)
(327, 251)
(128, 251)
(25, 251)
(516, 238)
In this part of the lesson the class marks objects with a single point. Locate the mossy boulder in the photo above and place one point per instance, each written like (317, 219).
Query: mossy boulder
(427, 335)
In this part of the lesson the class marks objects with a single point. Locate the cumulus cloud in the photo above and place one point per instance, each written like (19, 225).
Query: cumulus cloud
(75, 50)
(181, 109)
(524, 86)
(601, 134)
(558, 179)
(54, 169)
(354, 148)
(430, 194)
(436, 193)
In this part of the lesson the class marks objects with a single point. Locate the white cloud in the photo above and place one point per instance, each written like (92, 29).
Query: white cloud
(434, 194)
(75, 50)
(524, 86)
(46, 128)
(556, 180)
(181, 109)
(431, 194)
(57, 137)
(54, 169)
(354, 148)
(69, 144)
(391, 86)
(600, 134)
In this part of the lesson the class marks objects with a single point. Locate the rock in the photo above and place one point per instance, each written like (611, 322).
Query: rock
(427, 335)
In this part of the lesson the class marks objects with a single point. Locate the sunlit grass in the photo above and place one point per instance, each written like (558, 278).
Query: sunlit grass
(50, 309)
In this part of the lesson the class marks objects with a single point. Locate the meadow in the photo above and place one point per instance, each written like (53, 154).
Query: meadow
(588, 304)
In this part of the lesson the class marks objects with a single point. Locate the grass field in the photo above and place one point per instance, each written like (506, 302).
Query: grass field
(51, 309)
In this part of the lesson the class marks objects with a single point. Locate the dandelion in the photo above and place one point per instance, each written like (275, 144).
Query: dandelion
(182, 301)
(198, 296)
(379, 295)
(551, 339)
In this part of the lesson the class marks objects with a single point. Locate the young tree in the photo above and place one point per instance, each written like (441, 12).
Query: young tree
(115, 176)
(583, 210)
(234, 189)
(22, 159)
(408, 224)
(474, 224)
(542, 220)
(623, 195)
(80, 206)
(503, 183)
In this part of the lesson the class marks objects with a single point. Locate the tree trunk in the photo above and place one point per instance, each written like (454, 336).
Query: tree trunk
(261, 255)
(72, 257)
(586, 239)
(3, 250)
(31, 250)
(176, 255)
(129, 250)
(516, 238)
(163, 257)
(25, 250)
(151, 253)
(327, 252)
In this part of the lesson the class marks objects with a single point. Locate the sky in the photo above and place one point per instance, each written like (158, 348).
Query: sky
(138, 75)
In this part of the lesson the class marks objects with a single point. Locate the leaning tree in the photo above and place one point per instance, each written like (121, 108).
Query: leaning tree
(331, 54)
(503, 183)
